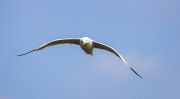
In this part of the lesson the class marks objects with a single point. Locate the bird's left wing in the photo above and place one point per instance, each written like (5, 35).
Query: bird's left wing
(55, 42)
(110, 49)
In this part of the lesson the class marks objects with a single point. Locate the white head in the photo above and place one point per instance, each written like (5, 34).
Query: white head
(86, 40)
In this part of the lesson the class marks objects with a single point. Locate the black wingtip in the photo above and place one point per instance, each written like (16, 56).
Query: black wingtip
(137, 73)
(25, 53)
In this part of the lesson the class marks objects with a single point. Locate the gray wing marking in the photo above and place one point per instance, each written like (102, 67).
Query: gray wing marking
(55, 42)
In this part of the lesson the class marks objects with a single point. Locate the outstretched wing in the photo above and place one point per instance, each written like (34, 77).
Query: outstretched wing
(55, 42)
(110, 49)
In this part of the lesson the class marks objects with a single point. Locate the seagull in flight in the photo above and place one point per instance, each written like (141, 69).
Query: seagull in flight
(86, 44)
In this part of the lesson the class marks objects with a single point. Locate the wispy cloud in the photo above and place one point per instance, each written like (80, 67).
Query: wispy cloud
(113, 65)
(4, 96)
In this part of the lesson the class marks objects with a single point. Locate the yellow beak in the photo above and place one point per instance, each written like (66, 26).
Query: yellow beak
(84, 43)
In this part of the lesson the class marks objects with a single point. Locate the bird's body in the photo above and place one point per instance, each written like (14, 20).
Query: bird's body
(88, 47)
(86, 44)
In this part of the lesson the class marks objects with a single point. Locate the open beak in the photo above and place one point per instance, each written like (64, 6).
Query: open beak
(84, 43)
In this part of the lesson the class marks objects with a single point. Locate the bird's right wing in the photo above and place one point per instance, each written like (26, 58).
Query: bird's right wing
(112, 50)
(55, 42)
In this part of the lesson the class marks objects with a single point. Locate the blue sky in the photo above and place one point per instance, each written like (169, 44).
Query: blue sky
(146, 33)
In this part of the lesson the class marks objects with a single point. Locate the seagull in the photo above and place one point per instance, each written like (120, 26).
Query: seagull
(86, 44)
